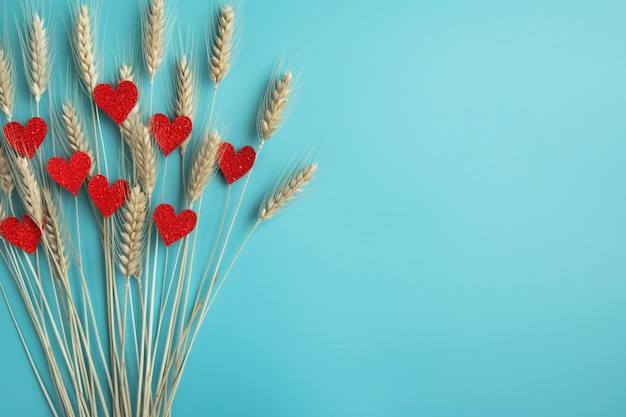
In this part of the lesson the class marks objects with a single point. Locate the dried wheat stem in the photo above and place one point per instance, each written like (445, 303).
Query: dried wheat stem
(37, 57)
(153, 32)
(203, 165)
(74, 131)
(7, 85)
(222, 46)
(29, 190)
(53, 239)
(279, 197)
(137, 136)
(134, 217)
(83, 46)
(273, 107)
(6, 178)
(126, 73)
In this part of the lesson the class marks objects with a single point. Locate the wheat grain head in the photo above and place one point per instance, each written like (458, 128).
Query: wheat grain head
(36, 53)
(75, 132)
(153, 34)
(276, 199)
(29, 191)
(7, 83)
(203, 166)
(53, 238)
(7, 184)
(220, 49)
(134, 215)
(84, 50)
(273, 109)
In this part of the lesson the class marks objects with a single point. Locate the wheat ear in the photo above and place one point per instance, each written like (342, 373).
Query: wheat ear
(153, 33)
(37, 57)
(203, 165)
(185, 93)
(83, 48)
(53, 239)
(6, 178)
(221, 49)
(272, 111)
(7, 86)
(3, 214)
(126, 73)
(134, 217)
(278, 198)
(74, 131)
(137, 136)
(29, 190)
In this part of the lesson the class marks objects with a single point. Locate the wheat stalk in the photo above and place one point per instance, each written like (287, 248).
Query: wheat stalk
(30, 192)
(83, 48)
(134, 217)
(38, 57)
(53, 239)
(273, 107)
(74, 131)
(7, 86)
(279, 197)
(203, 165)
(153, 33)
(7, 184)
(222, 46)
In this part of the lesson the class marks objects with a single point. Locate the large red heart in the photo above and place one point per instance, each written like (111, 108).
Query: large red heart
(23, 234)
(173, 227)
(116, 103)
(170, 135)
(26, 139)
(70, 175)
(108, 199)
(235, 165)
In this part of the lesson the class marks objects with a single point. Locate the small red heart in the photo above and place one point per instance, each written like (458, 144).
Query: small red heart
(70, 175)
(116, 103)
(235, 165)
(170, 135)
(26, 140)
(23, 234)
(173, 227)
(108, 199)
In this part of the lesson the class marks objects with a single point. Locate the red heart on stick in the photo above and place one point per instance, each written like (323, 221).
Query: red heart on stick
(23, 234)
(170, 135)
(116, 103)
(108, 199)
(235, 165)
(70, 175)
(173, 227)
(26, 139)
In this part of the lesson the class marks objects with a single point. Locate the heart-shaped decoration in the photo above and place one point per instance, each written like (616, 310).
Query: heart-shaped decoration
(26, 139)
(116, 103)
(24, 234)
(170, 135)
(173, 227)
(235, 165)
(108, 199)
(70, 175)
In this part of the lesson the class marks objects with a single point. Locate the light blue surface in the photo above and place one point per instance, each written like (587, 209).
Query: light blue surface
(463, 251)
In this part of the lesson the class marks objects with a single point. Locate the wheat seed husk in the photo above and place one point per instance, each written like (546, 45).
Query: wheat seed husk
(134, 215)
(153, 32)
(277, 199)
(272, 111)
(83, 48)
(7, 83)
(203, 166)
(53, 238)
(222, 45)
(6, 178)
(29, 190)
(75, 132)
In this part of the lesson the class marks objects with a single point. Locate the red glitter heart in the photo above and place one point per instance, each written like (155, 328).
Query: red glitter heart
(170, 135)
(26, 139)
(235, 165)
(108, 199)
(116, 103)
(173, 227)
(23, 234)
(70, 175)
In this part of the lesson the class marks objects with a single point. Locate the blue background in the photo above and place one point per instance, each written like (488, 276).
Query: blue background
(462, 251)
